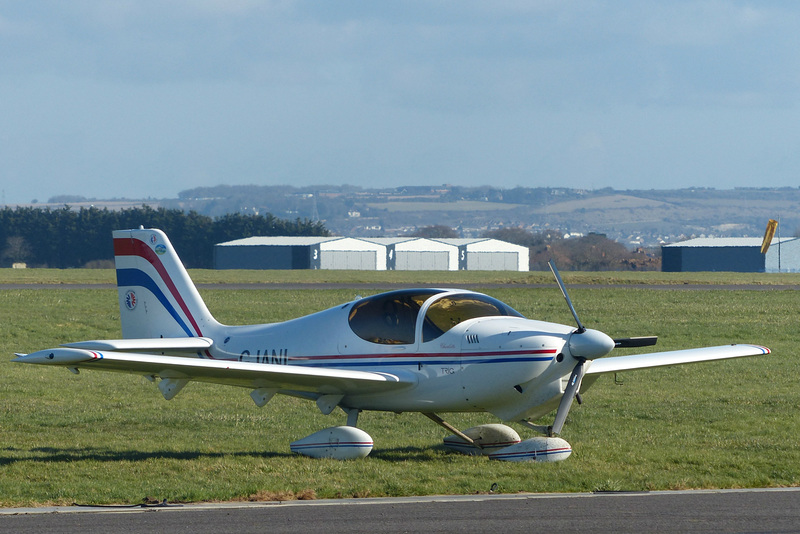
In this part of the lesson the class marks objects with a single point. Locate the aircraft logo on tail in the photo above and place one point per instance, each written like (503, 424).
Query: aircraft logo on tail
(130, 300)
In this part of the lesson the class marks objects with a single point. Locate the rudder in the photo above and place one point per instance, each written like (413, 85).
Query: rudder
(156, 296)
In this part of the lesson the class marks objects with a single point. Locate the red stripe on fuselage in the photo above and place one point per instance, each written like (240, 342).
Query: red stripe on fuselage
(419, 355)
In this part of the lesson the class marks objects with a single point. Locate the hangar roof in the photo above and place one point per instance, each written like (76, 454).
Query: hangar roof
(390, 240)
(728, 242)
(483, 244)
(278, 240)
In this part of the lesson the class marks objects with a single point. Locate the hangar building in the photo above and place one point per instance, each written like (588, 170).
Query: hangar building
(418, 254)
(735, 254)
(300, 253)
(370, 254)
(484, 254)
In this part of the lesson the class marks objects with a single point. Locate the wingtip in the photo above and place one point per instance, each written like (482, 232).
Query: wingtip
(762, 348)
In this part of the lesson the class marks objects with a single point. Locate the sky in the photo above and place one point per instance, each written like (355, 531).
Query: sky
(145, 99)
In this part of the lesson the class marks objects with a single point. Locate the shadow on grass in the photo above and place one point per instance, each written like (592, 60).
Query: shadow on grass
(54, 454)
(404, 454)
(13, 455)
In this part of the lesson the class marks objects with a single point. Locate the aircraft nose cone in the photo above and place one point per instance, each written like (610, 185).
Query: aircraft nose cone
(590, 344)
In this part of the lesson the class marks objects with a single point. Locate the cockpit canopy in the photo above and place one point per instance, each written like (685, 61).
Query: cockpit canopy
(391, 318)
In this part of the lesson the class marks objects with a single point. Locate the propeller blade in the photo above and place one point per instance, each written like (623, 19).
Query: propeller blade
(573, 386)
(563, 288)
(633, 342)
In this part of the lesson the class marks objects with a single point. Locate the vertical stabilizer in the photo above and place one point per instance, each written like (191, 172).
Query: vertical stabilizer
(156, 296)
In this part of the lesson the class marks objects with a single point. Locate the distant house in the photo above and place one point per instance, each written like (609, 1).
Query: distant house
(734, 254)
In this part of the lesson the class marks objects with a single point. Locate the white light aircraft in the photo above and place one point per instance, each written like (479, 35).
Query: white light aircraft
(431, 351)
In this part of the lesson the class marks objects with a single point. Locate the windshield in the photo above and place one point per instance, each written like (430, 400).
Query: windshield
(389, 318)
(451, 310)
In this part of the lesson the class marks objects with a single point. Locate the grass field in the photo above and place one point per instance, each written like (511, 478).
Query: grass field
(111, 438)
(449, 278)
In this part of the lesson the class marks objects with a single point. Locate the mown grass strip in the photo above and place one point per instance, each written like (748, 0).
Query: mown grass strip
(445, 278)
(109, 438)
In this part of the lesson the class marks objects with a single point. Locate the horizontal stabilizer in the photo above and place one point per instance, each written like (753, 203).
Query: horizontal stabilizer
(159, 344)
(676, 357)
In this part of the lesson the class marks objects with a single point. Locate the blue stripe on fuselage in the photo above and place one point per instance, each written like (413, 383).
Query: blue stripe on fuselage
(392, 362)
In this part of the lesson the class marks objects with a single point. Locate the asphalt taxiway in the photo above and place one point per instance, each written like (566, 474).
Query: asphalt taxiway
(774, 510)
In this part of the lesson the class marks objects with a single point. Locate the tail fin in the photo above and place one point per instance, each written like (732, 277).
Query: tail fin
(156, 296)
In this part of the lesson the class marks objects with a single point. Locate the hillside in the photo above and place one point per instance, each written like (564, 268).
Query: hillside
(633, 217)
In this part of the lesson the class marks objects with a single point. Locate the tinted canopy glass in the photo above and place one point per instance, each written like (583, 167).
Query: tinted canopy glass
(451, 310)
(389, 318)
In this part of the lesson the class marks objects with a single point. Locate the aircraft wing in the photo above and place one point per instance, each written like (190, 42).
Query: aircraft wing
(159, 344)
(229, 372)
(677, 357)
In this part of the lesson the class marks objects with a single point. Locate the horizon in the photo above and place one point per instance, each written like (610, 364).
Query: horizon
(66, 198)
(145, 99)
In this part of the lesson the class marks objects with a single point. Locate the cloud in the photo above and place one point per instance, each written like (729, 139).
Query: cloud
(512, 91)
(420, 54)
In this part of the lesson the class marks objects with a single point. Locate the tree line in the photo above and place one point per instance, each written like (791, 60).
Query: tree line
(68, 238)
(592, 252)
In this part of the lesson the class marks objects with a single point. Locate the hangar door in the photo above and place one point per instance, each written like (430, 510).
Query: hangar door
(492, 261)
(362, 260)
(422, 261)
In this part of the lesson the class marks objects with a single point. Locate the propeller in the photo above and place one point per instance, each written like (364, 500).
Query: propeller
(634, 342)
(573, 386)
(563, 289)
(584, 344)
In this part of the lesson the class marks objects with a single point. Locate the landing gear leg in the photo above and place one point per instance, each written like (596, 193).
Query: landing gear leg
(441, 422)
(546, 430)
(352, 416)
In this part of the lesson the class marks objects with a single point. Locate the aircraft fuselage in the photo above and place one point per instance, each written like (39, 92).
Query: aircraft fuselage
(483, 363)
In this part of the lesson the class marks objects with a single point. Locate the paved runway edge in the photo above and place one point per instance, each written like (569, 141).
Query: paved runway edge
(370, 501)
